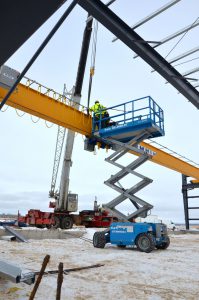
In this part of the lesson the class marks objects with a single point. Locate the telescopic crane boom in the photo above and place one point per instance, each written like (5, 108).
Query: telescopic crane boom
(64, 201)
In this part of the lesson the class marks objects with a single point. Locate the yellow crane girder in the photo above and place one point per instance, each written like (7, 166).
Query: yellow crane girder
(45, 107)
(55, 111)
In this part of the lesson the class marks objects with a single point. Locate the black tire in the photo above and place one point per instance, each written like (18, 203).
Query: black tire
(121, 246)
(99, 240)
(40, 226)
(57, 222)
(165, 244)
(48, 226)
(67, 223)
(145, 243)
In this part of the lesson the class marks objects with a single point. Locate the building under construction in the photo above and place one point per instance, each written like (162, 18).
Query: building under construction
(121, 128)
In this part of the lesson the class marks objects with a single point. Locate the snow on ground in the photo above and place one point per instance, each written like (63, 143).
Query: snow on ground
(126, 274)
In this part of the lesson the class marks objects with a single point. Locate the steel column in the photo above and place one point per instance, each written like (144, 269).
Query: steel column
(185, 187)
(185, 200)
(121, 30)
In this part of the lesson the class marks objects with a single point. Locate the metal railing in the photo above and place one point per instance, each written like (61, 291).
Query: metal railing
(136, 111)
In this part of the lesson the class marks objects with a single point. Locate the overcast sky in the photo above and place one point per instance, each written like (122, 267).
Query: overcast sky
(27, 148)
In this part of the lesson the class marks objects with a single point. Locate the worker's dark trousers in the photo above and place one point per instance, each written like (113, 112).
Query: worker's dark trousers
(97, 120)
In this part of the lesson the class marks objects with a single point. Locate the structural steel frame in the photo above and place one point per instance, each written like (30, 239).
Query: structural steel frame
(152, 15)
(185, 188)
(129, 37)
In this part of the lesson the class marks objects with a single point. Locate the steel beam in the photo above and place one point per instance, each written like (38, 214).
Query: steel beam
(18, 235)
(39, 50)
(191, 71)
(107, 4)
(185, 200)
(185, 188)
(174, 35)
(19, 20)
(120, 29)
(152, 15)
(49, 109)
(15, 274)
(183, 55)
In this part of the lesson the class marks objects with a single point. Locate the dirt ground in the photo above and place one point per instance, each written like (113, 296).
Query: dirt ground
(126, 274)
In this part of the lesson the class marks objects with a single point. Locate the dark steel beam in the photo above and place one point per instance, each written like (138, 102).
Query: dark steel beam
(84, 53)
(121, 30)
(185, 201)
(190, 186)
(83, 58)
(19, 20)
(39, 50)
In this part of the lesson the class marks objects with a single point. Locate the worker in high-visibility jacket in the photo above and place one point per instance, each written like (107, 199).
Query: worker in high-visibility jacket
(100, 111)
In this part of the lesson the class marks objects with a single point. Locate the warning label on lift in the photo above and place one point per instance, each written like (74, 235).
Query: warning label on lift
(146, 150)
(122, 229)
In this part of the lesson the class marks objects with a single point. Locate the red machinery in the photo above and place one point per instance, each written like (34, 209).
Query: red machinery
(37, 218)
(87, 218)
(91, 218)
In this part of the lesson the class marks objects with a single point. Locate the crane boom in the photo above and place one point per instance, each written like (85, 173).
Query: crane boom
(63, 202)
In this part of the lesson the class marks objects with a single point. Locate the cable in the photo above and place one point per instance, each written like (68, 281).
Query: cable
(4, 109)
(47, 124)
(173, 152)
(19, 114)
(94, 46)
(33, 120)
(93, 58)
(181, 38)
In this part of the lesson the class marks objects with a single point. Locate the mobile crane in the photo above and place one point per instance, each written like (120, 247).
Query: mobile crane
(67, 202)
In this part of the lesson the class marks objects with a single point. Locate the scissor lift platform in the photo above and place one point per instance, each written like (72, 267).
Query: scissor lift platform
(129, 119)
(122, 129)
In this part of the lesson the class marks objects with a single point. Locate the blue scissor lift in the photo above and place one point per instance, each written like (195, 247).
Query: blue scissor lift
(126, 126)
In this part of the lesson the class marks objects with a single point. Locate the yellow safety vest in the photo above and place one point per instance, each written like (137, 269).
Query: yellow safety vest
(97, 107)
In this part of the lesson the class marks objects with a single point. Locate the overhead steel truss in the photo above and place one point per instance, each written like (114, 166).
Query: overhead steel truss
(152, 15)
(174, 35)
(129, 37)
(183, 55)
